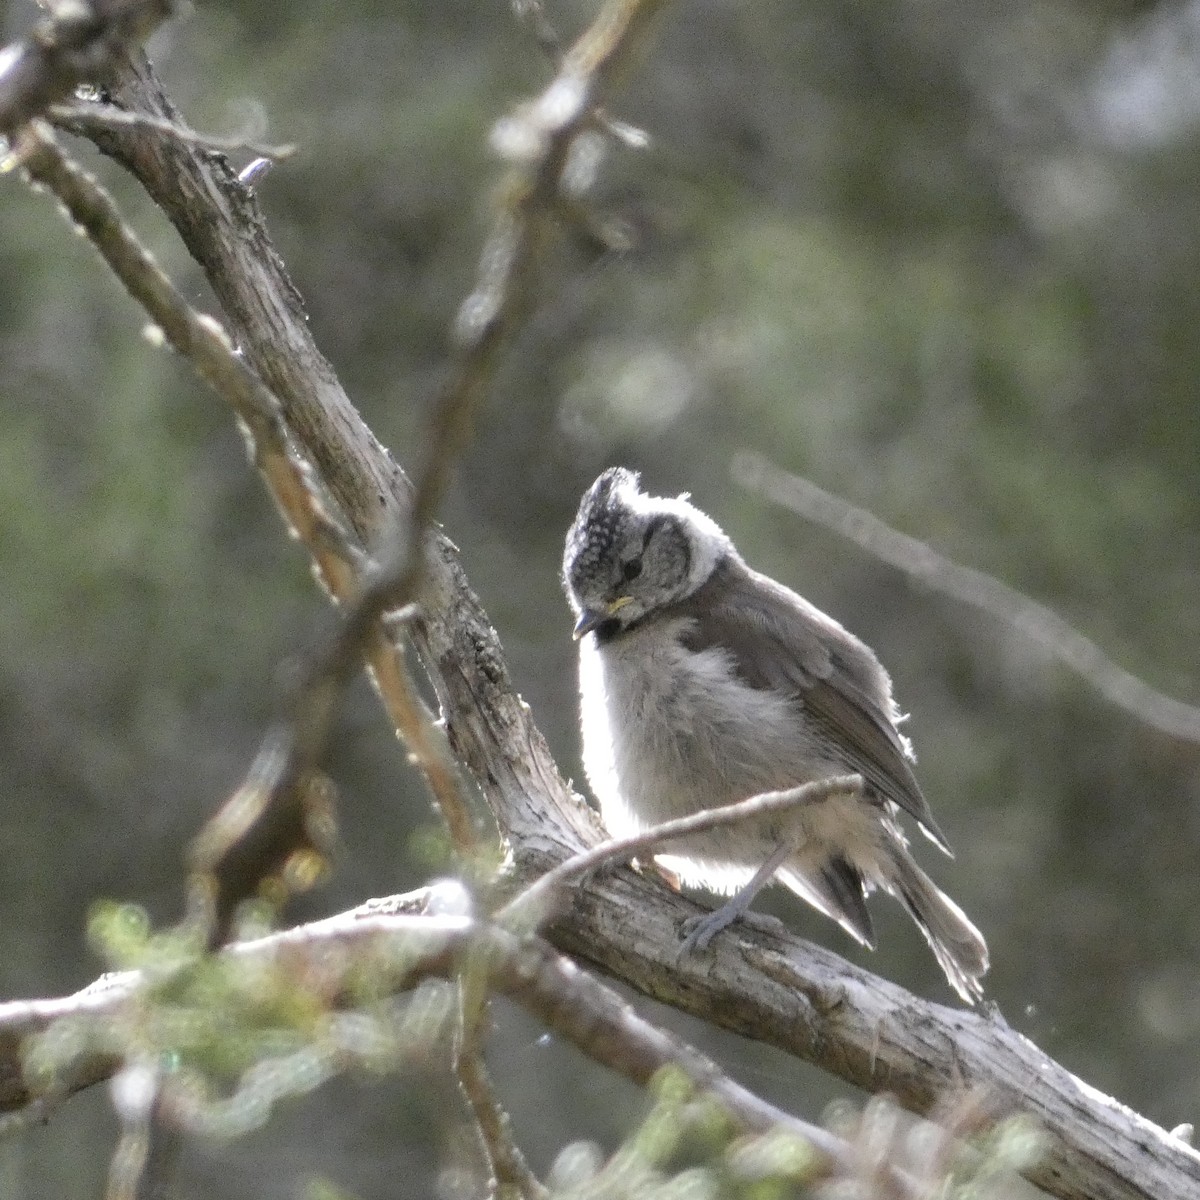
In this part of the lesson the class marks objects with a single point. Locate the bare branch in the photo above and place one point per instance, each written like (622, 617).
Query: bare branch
(146, 1149)
(803, 998)
(77, 43)
(400, 949)
(84, 118)
(504, 751)
(767, 985)
(425, 739)
(597, 1020)
(510, 1172)
(485, 323)
(533, 906)
(1019, 613)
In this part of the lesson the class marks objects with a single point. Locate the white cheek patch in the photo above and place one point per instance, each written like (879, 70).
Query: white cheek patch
(707, 539)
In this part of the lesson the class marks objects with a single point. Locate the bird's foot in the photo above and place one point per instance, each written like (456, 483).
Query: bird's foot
(698, 931)
(767, 922)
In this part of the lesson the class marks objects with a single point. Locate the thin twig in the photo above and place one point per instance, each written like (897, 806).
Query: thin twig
(85, 119)
(424, 737)
(532, 15)
(1022, 615)
(147, 1148)
(510, 1172)
(532, 907)
(74, 44)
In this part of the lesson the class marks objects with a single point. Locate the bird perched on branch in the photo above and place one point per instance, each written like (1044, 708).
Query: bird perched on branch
(703, 683)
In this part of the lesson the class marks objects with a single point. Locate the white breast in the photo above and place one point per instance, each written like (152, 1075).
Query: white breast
(668, 732)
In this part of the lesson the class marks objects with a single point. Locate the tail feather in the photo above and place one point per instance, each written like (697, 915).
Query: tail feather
(836, 890)
(957, 944)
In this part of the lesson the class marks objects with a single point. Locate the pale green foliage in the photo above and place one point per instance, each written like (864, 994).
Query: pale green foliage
(688, 1149)
(232, 1036)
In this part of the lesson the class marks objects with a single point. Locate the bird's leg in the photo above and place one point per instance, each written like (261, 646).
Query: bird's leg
(699, 931)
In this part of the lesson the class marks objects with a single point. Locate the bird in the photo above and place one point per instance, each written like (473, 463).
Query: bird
(703, 682)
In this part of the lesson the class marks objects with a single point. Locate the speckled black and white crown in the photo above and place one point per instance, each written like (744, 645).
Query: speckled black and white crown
(603, 513)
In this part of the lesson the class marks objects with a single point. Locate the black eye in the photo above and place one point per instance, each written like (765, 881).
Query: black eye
(632, 569)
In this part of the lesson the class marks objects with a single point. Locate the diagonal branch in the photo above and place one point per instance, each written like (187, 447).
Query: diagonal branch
(276, 812)
(530, 907)
(804, 998)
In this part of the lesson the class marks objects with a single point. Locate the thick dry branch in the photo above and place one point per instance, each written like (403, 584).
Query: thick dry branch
(810, 1002)
(220, 222)
(485, 323)
(767, 985)
(1018, 613)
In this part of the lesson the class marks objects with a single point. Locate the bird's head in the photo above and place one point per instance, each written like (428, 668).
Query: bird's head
(629, 554)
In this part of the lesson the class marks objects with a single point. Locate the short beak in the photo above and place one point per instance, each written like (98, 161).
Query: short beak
(591, 617)
(588, 620)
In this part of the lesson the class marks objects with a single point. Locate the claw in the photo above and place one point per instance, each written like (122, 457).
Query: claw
(698, 931)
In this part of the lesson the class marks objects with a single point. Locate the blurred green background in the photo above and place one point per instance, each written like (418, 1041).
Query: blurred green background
(940, 257)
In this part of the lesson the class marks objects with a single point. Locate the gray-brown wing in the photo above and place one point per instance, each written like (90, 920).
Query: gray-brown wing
(777, 640)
